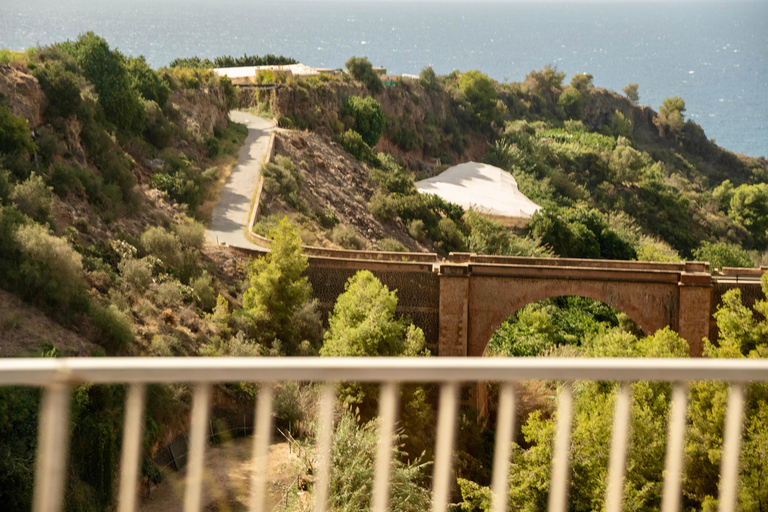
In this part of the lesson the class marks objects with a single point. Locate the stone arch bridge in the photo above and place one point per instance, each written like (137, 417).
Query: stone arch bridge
(460, 302)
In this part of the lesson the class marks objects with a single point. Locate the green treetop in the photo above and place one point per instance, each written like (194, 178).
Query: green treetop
(278, 289)
(362, 70)
(363, 322)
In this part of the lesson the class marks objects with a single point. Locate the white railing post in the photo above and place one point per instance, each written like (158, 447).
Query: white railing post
(52, 443)
(558, 489)
(673, 467)
(198, 432)
(729, 469)
(324, 447)
(261, 441)
(388, 403)
(505, 428)
(446, 432)
(617, 464)
(132, 435)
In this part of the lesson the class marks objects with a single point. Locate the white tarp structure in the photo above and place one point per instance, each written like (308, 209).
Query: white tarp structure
(481, 187)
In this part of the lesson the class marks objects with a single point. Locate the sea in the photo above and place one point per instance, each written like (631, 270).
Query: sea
(711, 53)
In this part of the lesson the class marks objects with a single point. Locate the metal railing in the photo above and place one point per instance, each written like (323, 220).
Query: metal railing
(57, 376)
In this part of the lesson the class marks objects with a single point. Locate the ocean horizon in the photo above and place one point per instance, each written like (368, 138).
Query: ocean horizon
(712, 54)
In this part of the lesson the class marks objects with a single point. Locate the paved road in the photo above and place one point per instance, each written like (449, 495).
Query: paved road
(230, 217)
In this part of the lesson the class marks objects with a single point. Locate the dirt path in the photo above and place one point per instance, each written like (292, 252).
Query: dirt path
(227, 479)
(230, 217)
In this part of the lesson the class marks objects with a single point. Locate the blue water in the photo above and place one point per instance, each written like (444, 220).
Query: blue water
(713, 54)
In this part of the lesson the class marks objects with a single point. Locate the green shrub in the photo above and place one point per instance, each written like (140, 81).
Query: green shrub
(720, 255)
(116, 332)
(164, 245)
(383, 207)
(285, 122)
(61, 87)
(328, 219)
(136, 273)
(428, 79)
(205, 294)
(282, 179)
(417, 230)
(347, 237)
(32, 197)
(6, 186)
(147, 82)
(107, 70)
(169, 294)
(362, 70)
(191, 234)
(49, 267)
(15, 143)
(353, 143)
(369, 118)
(391, 245)
(157, 129)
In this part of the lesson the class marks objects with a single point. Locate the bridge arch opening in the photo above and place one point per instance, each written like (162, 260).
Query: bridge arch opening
(555, 326)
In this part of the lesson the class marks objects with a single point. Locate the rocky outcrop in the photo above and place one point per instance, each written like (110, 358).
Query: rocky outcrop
(26, 98)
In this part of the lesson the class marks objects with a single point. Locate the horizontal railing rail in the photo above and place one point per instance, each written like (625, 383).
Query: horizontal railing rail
(58, 375)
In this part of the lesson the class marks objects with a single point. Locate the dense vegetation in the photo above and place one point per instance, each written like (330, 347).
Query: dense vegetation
(232, 62)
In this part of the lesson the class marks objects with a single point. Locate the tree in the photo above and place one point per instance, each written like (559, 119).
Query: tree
(107, 71)
(480, 93)
(632, 95)
(61, 87)
(368, 116)
(720, 255)
(582, 82)
(428, 79)
(279, 291)
(147, 82)
(363, 322)
(671, 115)
(571, 102)
(749, 207)
(362, 70)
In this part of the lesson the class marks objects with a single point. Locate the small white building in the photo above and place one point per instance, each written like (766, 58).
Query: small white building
(247, 73)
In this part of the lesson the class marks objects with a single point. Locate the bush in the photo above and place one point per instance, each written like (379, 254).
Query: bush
(50, 268)
(164, 245)
(169, 294)
(480, 93)
(15, 138)
(571, 102)
(353, 143)
(720, 255)
(391, 245)
(368, 116)
(362, 70)
(417, 230)
(115, 328)
(282, 179)
(32, 197)
(428, 79)
(61, 87)
(205, 294)
(147, 82)
(347, 237)
(191, 234)
(107, 71)
(136, 273)
(383, 207)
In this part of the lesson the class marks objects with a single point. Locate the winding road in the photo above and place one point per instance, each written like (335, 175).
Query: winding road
(230, 217)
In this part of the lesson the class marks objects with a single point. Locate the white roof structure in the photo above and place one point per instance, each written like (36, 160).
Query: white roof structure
(481, 187)
(252, 71)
